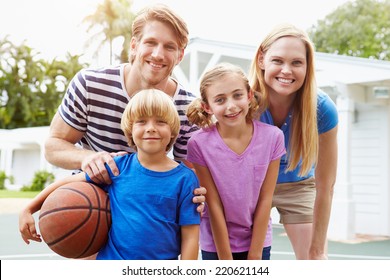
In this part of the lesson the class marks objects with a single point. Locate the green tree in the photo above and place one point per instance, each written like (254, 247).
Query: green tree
(358, 28)
(19, 75)
(112, 19)
(31, 88)
(41, 179)
(58, 74)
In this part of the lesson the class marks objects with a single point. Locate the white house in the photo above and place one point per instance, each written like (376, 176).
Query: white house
(22, 154)
(360, 89)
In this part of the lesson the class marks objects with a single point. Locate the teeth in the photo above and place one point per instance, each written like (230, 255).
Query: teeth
(156, 65)
(232, 115)
(284, 80)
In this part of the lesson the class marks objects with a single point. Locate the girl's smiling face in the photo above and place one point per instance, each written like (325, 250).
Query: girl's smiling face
(228, 100)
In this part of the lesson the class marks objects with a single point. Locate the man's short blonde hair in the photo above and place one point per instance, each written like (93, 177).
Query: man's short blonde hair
(164, 14)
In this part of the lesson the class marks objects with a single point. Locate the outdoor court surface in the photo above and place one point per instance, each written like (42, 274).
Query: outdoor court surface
(12, 247)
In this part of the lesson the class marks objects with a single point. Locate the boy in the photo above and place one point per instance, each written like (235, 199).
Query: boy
(151, 198)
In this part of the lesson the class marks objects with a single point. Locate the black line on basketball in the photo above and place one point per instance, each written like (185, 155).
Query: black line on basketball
(76, 228)
(98, 221)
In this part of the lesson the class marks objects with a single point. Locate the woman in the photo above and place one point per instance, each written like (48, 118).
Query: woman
(283, 74)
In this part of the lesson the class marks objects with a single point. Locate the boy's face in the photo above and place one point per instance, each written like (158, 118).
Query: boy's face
(151, 135)
(156, 53)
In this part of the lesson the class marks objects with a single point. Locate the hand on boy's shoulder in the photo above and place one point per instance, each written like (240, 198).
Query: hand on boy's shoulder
(118, 154)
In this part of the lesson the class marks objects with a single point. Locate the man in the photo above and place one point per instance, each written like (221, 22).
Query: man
(85, 132)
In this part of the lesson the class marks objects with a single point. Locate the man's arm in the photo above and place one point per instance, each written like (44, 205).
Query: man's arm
(60, 150)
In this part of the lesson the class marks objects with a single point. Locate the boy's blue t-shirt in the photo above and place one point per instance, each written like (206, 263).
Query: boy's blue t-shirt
(148, 209)
(327, 118)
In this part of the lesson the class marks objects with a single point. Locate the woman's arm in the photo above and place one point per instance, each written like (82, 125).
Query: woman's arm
(26, 221)
(325, 176)
(189, 242)
(263, 212)
(216, 213)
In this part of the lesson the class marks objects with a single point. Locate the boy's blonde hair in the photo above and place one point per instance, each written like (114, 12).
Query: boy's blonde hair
(303, 144)
(196, 113)
(150, 103)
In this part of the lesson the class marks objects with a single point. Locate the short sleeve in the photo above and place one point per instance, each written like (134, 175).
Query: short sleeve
(279, 149)
(73, 108)
(327, 115)
(194, 154)
(187, 212)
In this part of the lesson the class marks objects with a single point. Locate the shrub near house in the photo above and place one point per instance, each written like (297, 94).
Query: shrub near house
(41, 180)
(4, 177)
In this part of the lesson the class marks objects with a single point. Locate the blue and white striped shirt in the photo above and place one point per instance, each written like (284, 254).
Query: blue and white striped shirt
(94, 104)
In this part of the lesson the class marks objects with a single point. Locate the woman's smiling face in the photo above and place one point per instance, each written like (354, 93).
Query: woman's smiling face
(284, 66)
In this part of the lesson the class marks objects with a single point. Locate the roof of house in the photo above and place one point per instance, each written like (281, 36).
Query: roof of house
(330, 68)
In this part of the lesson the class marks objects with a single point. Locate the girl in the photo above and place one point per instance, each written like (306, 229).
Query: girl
(283, 73)
(237, 161)
(153, 216)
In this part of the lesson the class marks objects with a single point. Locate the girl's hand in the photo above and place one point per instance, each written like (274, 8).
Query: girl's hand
(255, 254)
(27, 227)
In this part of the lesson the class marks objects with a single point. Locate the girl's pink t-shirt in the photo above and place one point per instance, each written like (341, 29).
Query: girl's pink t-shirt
(238, 179)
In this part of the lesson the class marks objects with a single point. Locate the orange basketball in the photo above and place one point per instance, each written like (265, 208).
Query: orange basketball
(75, 219)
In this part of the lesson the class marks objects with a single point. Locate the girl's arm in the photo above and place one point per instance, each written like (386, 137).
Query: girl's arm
(216, 213)
(189, 242)
(26, 220)
(325, 176)
(263, 211)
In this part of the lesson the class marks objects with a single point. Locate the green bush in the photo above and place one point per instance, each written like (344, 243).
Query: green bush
(4, 177)
(41, 179)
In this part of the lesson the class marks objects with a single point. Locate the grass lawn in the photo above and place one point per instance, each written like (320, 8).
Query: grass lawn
(17, 194)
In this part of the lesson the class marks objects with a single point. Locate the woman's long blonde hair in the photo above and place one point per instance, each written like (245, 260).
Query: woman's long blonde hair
(196, 113)
(303, 144)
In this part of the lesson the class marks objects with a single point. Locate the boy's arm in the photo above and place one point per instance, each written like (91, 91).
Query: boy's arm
(263, 212)
(216, 213)
(189, 242)
(26, 221)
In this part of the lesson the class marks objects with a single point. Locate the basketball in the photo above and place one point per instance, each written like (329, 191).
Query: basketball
(74, 220)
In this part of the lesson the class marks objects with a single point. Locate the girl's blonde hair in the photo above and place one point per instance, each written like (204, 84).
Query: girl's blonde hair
(303, 134)
(196, 113)
(164, 14)
(150, 103)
